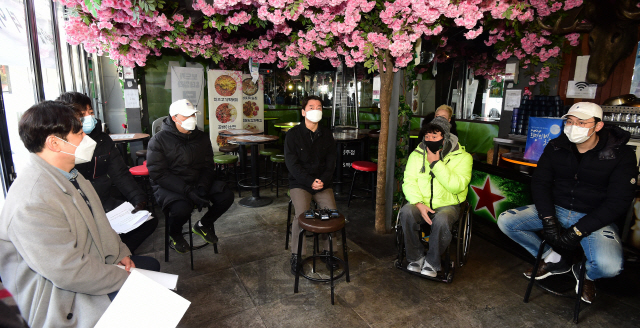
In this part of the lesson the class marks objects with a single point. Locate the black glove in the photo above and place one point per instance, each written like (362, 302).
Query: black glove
(197, 200)
(550, 229)
(202, 191)
(569, 240)
(139, 207)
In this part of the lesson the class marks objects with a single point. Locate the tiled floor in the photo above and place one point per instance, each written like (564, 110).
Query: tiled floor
(249, 284)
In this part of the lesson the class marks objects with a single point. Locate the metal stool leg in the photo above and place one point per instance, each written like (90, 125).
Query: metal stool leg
(353, 182)
(190, 242)
(330, 258)
(344, 252)
(235, 169)
(532, 280)
(299, 260)
(286, 242)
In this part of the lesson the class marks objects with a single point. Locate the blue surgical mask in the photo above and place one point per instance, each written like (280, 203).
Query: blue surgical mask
(89, 123)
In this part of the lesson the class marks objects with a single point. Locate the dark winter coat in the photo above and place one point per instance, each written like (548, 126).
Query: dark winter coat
(179, 162)
(307, 160)
(107, 167)
(602, 185)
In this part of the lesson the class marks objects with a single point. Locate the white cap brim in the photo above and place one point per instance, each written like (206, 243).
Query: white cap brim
(579, 115)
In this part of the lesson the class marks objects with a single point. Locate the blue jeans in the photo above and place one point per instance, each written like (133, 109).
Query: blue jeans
(602, 247)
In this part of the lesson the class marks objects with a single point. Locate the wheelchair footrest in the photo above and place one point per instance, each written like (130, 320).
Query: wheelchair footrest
(441, 277)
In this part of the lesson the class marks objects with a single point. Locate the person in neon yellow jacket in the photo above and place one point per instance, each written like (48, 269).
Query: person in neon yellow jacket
(436, 181)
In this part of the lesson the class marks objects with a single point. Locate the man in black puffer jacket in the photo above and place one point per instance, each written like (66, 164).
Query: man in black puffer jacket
(182, 172)
(585, 182)
(107, 168)
(310, 156)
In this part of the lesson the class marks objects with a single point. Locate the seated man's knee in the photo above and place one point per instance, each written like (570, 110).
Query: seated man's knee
(606, 267)
(506, 218)
(180, 209)
(406, 213)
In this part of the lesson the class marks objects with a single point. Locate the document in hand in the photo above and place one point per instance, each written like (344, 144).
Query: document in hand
(122, 221)
(141, 302)
(165, 279)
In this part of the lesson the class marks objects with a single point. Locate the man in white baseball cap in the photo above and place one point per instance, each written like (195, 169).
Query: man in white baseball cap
(582, 188)
(182, 172)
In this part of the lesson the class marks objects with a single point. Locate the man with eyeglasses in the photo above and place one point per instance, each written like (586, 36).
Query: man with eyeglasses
(583, 185)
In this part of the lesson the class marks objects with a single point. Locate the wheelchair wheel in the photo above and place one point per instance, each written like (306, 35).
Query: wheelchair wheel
(464, 236)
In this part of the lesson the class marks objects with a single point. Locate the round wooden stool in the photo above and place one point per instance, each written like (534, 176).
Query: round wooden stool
(317, 226)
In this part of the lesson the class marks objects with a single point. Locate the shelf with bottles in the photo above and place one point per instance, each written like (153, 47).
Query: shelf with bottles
(536, 106)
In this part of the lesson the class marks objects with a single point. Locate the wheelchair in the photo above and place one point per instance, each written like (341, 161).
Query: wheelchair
(460, 239)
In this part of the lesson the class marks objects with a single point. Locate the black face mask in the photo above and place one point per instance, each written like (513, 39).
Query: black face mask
(434, 146)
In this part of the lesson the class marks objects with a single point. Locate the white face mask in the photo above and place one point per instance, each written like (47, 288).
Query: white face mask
(84, 151)
(577, 134)
(314, 115)
(189, 124)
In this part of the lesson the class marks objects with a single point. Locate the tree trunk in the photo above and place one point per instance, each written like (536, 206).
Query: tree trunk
(386, 87)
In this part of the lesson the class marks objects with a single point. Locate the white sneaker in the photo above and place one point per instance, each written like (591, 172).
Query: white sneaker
(416, 266)
(427, 270)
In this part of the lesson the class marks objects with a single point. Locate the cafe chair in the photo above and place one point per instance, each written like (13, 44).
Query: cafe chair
(317, 227)
(225, 162)
(167, 243)
(276, 162)
(156, 126)
(582, 275)
(366, 167)
(461, 240)
(141, 172)
(141, 154)
(267, 153)
(230, 149)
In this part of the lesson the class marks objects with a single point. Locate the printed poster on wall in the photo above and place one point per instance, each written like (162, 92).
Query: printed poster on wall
(253, 103)
(225, 103)
(188, 83)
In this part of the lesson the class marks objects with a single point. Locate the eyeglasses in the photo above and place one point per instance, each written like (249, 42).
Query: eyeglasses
(582, 124)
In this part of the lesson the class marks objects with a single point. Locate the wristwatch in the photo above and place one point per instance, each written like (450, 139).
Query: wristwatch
(577, 231)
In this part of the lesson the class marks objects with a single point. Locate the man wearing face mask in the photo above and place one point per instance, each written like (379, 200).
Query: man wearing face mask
(584, 183)
(310, 156)
(107, 168)
(58, 252)
(436, 181)
(182, 172)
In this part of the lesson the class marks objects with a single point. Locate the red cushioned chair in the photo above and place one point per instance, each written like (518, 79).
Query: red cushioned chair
(366, 167)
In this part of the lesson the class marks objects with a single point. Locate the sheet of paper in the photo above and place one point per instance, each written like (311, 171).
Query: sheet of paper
(165, 279)
(122, 221)
(131, 98)
(142, 302)
(121, 136)
(581, 68)
(512, 99)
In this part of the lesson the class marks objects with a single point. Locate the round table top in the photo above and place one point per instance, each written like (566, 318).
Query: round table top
(518, 158)
(286, 125)
(253, 140)
(127, 137)
(270, 118)
(239, 132)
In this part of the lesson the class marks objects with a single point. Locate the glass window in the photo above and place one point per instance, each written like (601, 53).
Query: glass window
(77, 70)
(15, 71)
(64, 49)
(50, 77)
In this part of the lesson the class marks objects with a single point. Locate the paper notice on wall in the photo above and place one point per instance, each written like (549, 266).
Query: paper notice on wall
(225, 104)
(131, 98)
(188, 83)
(127, 72)
(581, 68)
(512, 99)
(252, 102)
(376, 89)
(579, 89)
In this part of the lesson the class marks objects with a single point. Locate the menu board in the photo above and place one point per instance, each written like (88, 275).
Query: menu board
(252, 103)
(225, 103)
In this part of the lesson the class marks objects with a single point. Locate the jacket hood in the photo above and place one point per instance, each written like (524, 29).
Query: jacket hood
(611, 139)
(449, 146)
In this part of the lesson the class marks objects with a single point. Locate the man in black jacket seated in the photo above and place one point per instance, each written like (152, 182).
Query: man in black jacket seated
(310, 156)
(584, 183)
(182, 172)
(107, 168)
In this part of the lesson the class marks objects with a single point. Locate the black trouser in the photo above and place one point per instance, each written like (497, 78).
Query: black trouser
(180, 211)
(135, 237)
